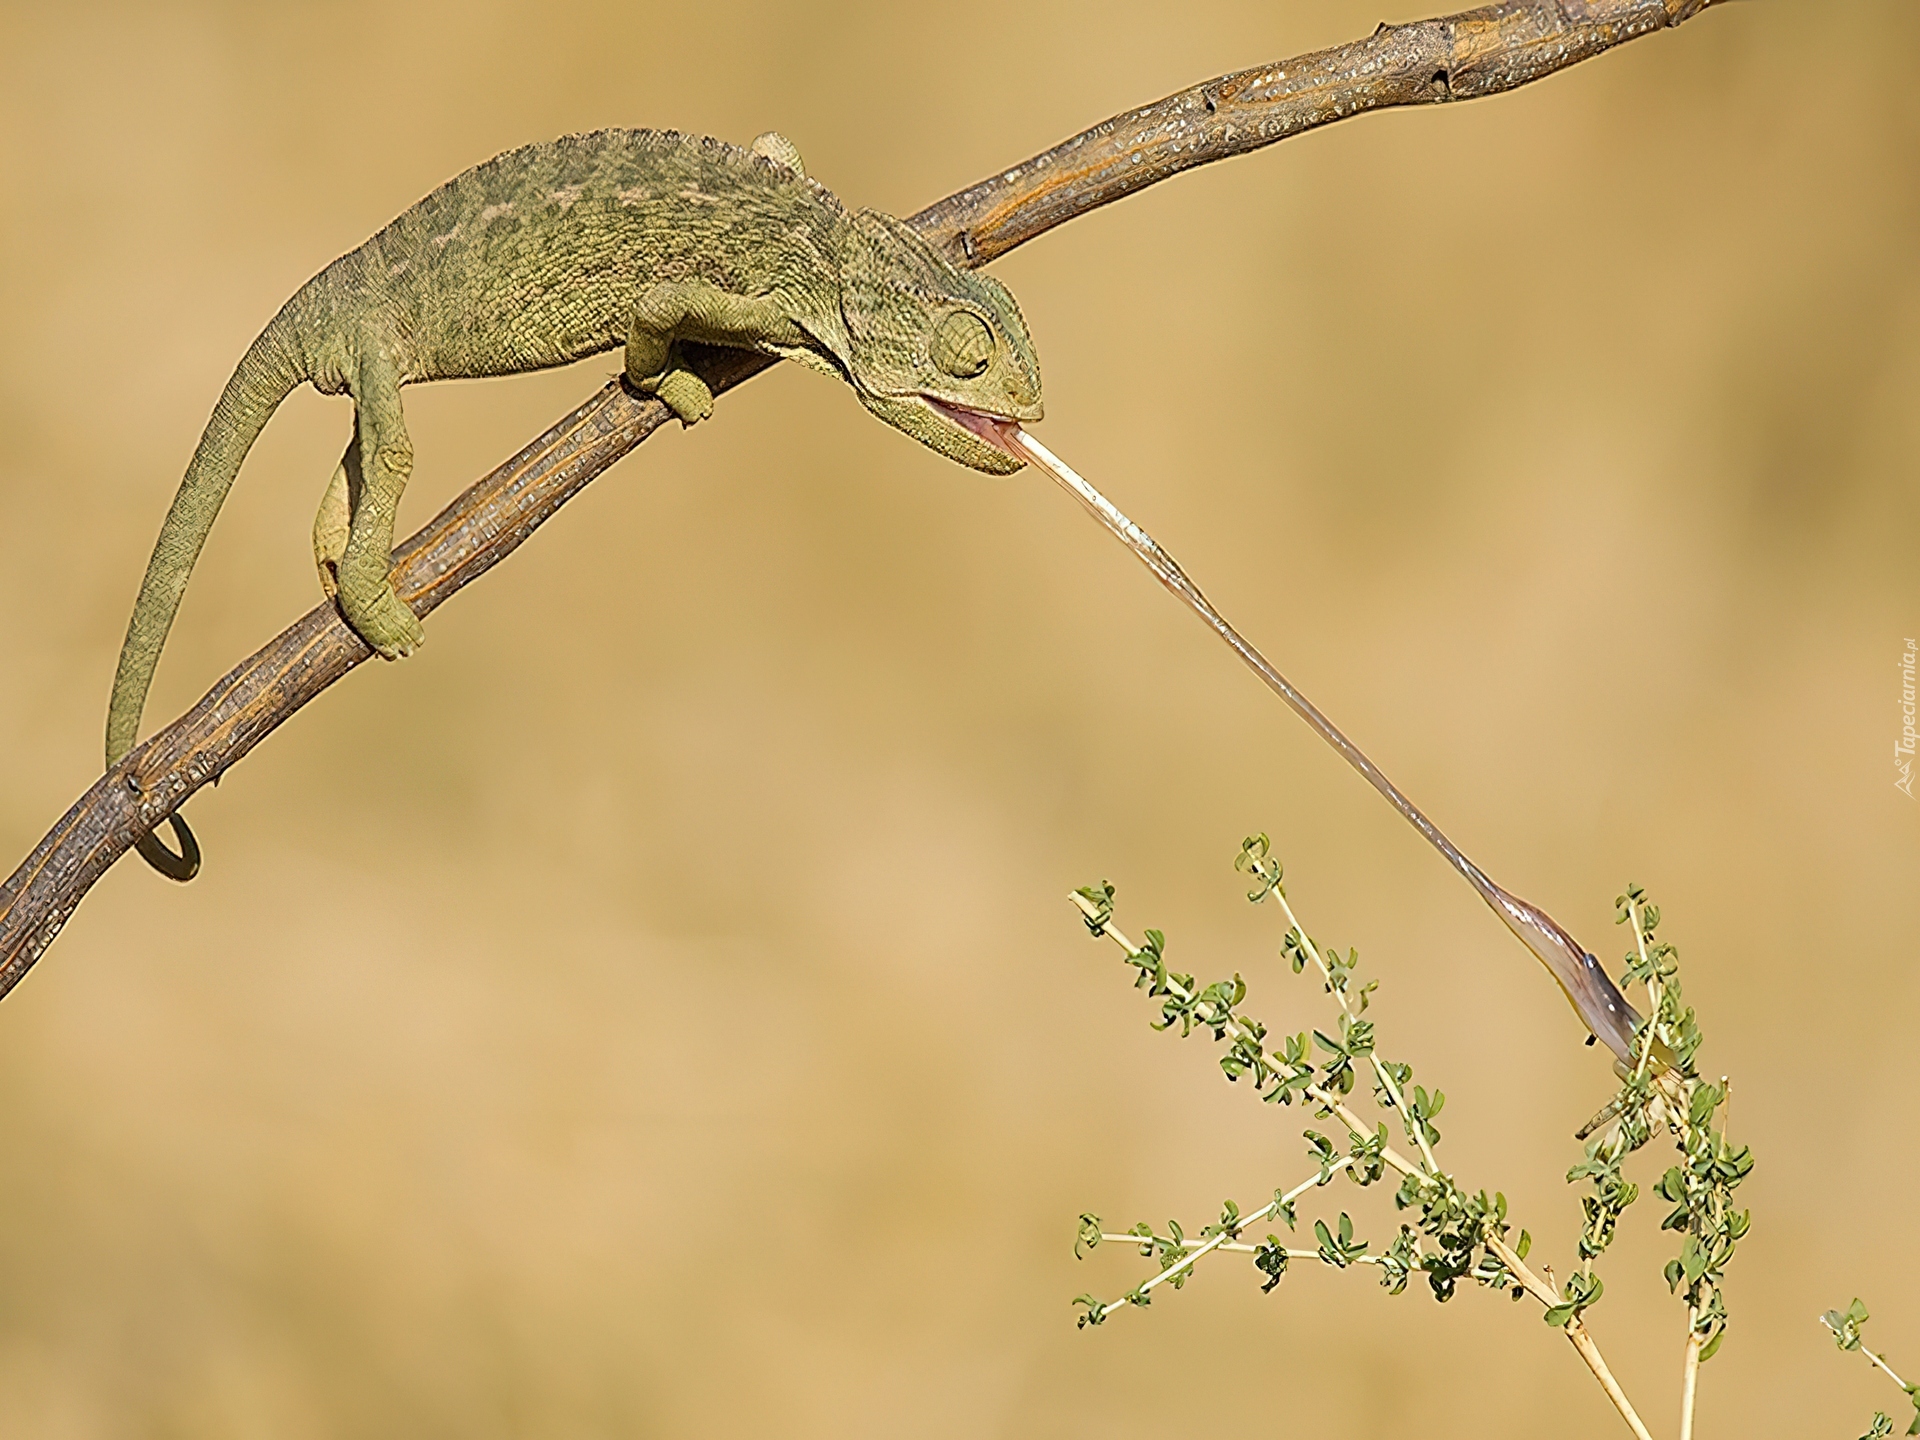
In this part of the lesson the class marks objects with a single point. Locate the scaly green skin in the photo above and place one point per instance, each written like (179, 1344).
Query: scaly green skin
(547, 254)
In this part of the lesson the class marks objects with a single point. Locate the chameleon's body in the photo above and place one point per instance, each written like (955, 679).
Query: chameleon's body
(550, 253)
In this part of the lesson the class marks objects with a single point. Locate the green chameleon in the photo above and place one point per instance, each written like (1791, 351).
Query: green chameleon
(543, 255)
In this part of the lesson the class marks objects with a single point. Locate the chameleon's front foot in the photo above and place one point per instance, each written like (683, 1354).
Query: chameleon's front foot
(684, 393)
(381, 618)
(673, 385)
(676, 310)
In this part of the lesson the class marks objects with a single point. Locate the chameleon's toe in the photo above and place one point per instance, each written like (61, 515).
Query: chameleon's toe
(331, 530)
(385, 623)
(686, 394)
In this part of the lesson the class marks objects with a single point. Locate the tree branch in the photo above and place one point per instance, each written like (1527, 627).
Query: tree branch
(1477, 52)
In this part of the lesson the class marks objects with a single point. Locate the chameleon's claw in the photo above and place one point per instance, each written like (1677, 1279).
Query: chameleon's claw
(385, 622)
(154, 851)
(686, 394)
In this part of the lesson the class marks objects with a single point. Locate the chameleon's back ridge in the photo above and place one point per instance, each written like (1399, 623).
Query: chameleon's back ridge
(647, 239)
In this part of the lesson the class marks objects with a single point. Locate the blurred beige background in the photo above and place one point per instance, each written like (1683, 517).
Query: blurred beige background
(654, 1011)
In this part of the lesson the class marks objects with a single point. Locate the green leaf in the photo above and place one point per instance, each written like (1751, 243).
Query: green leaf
(1845, 1324)
(1095, 1307)
(1253, 860)
(1089, 1235)
(1230, 1220)
(1271, 1260)
(1283, 1209)
(1693, 1259)
(1700, 1109)
(1101, 898)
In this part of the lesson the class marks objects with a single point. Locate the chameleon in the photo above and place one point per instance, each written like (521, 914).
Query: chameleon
(642, 239)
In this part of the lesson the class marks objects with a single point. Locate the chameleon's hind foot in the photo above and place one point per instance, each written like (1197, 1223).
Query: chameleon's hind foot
(686, 394)
(382, 619)
(330, 531)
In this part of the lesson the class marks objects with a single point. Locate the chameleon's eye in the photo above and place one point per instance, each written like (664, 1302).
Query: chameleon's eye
(963, 345)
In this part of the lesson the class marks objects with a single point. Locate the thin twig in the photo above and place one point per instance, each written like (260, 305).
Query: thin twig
(1648, 1035)
(1892, 1374)
(1231, 1247)
(1582, 1339)
(1474, 53)
(1326, 1098)
(1584, 1344)
(1412, 1125)
(1690, 1373)
(1224, 1240)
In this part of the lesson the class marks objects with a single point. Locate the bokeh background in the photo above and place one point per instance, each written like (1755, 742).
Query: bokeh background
(654, 1010)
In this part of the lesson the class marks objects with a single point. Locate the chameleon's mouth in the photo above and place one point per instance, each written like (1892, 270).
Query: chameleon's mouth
(996, 430)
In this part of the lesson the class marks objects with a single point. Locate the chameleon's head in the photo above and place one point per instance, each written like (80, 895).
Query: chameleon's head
(926, 338)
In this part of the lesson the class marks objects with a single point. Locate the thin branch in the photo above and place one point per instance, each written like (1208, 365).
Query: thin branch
(1413, 1127)
(1463, 56)
(1588, 1351)
(1690, 1373)
(1224, 1240)
(1876, 1360)
(1581, 1338)
(1475, 53)
(1325, 1097)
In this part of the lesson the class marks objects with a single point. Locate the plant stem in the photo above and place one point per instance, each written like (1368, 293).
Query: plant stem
(1884, 1366)
(1577, 1333)
(1590, 1352)
(1224, 1238)
(1653, 993)
(1689, 1374)
(1873, 1358)
(1326, 1097)
(1238, 1248)
(1359, 1127)
(1413, 1127)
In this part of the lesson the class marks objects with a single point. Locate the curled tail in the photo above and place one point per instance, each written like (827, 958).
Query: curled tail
(265, 376)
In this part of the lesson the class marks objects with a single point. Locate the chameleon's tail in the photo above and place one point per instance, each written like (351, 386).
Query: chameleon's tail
(266, 374)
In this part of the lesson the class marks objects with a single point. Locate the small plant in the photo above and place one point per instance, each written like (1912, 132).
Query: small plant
(1845, 1325)
(1446, 1234)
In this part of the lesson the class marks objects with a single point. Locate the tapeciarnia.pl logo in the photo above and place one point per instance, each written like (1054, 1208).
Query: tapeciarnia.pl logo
(1903, 747)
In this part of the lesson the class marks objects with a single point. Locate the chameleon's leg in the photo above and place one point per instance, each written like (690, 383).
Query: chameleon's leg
(331, 525)
(385, 460)
(676, 310)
